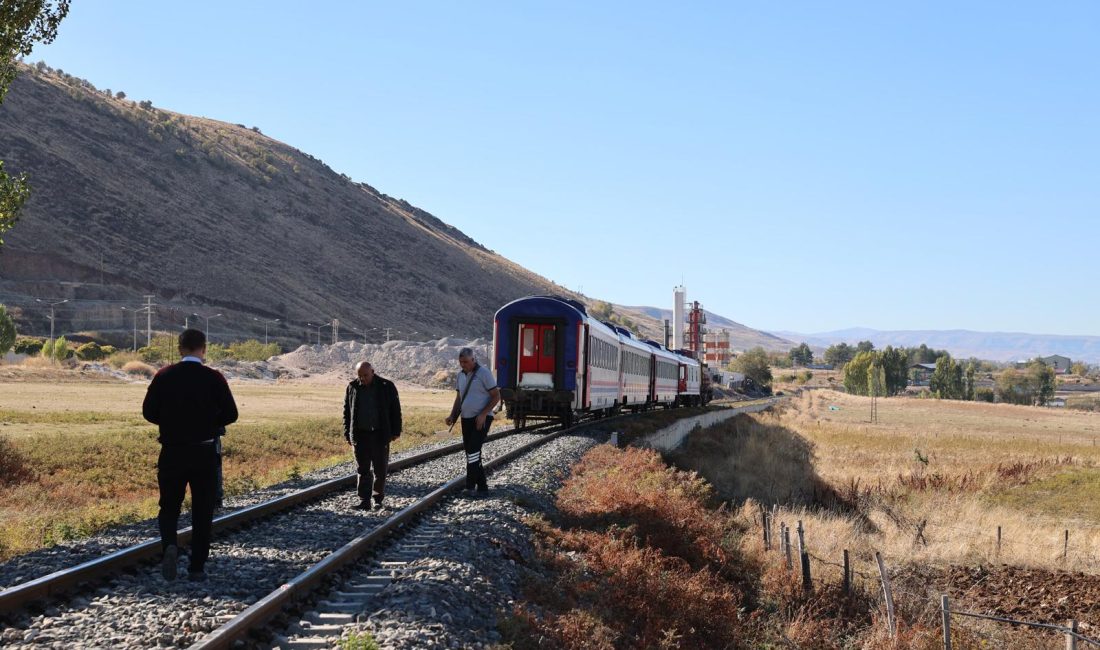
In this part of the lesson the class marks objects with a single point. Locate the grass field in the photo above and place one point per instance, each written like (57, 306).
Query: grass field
(930, 482)
(77, 457)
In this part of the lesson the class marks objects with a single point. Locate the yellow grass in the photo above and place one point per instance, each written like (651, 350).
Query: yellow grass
(90, 456)
(1034, 472)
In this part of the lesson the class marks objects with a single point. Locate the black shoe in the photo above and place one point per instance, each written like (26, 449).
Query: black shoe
(168, 563)
(482, 490)
(196, 576)
(362, 505)
(378, 505)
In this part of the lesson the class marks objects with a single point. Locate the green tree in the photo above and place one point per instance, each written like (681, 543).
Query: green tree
(857, 371)
(22, 24)
(754, 365)
(865, 346)
(895, 367)
(839, 354)
(60, 349)
(971, 371)
(801, 355)
(947, 379)
(7, 331)
(1044, 382)
(1079, 368)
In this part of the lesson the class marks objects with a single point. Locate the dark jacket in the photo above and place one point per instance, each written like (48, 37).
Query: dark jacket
(190, 402)
(389, 408)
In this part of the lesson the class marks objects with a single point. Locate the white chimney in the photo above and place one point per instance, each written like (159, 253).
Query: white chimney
(679, 306)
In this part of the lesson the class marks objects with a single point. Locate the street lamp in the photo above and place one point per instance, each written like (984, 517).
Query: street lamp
(319, 331)
(207, 318)
(266, 323)
(52, 305)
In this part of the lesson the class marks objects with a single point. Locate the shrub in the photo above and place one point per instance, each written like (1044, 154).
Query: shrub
(253, 350)
(108, 350)
(14, 468)
(151, 354)
(7, 331)
(139, 368)
(90, 352)
(119, 359)
(28, 345)
(61, 349)
(983, 395)
(47, 349)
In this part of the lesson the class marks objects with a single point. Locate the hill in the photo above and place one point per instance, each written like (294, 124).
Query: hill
(994, 346)
(129, 199)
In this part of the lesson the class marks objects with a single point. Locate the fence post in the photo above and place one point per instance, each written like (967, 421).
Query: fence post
(888, 594)
(1065, 548)
(946, 607)
(847, 574)
(787, 546)
(804, 556)
(998, 541)
(766, 520)
(1071, 636)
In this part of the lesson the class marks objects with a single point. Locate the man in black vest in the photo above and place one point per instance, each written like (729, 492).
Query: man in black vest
(191, 404)
(372, 419)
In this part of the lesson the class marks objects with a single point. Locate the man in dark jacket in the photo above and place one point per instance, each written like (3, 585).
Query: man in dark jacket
(191, 404)
(372, 419)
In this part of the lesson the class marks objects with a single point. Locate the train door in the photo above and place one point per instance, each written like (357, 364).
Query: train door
(537, 352)
(683, 384)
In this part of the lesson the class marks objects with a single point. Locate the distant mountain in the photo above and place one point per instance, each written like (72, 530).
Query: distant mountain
(742, 337)
(994, 346)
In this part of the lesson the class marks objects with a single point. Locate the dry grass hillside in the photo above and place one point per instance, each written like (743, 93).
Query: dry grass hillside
(131, 199)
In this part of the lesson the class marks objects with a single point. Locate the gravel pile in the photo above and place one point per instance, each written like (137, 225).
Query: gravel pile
(427, 363)
(466, 581)
(141, 609)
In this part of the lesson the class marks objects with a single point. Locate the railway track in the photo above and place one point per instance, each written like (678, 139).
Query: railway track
(364, 582)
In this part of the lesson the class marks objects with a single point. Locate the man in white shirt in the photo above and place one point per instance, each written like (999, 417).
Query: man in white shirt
(477, 395)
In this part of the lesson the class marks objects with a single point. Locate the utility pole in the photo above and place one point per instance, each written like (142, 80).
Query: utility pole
(335, 331)
(388, 334)
(149, 320)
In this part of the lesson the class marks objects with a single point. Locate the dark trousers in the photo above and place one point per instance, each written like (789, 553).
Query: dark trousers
(371, 451)
(178, 467)
(472, 439)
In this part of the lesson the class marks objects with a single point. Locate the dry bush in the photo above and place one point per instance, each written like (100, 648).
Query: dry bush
(662, 507)
(644, 561)
(139, 368)
(14, 468)
(40, 362)
(120, 359)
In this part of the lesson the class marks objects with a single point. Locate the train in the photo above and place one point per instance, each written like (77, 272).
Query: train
(553, 360)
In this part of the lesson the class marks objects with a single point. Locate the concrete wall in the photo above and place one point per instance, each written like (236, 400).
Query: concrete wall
(675, 434)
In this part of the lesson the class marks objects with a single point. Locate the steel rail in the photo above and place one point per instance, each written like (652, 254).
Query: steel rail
(62, 580)
(300, 586)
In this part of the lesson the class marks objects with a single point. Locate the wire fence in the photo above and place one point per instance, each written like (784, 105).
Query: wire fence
(802, 561)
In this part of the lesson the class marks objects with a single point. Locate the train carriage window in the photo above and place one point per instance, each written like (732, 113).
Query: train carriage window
(528, 342)
(548, 342)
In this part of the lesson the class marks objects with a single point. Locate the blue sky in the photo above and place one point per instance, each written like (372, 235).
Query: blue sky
(800, 166)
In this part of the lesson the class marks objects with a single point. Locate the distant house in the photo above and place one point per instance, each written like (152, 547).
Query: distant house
(1059, 363)
(920, 374)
